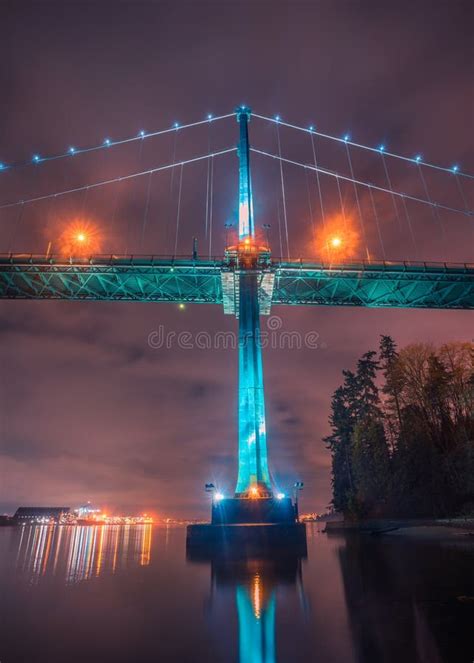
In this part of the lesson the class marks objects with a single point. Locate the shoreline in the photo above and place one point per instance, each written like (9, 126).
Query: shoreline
(437, 529)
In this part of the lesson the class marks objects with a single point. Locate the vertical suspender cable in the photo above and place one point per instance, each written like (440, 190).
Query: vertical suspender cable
(49, 214)
(341, 202)
(283, 193)
(313, 146)
(207, 196)
(173, 161)
(207, 184)
(84, 201)
(308, 191)
(389, 182)
(434, 208)
(463, 197)
(413, 238)
(129, 233)
(178, 210)
(279, 224)
(461, 191)
(211, 206)
(361, 220)
(377, 221)
(145, 211)
(114, 212)
(16, 225)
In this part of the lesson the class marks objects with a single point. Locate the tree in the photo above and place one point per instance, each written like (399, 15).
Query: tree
(427, 413)
(388, 358)
(371, 463)
(339, 442)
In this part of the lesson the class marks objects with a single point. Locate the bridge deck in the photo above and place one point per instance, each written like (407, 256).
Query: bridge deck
(180, 279)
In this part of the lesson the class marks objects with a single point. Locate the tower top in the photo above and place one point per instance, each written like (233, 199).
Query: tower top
(246, 225)
(243, 110)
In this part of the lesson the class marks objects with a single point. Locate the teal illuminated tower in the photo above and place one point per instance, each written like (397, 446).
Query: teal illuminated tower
(265, 520)
(253, 474)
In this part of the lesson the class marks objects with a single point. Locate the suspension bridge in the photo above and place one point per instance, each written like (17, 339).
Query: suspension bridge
(339, 212)
(72, 261)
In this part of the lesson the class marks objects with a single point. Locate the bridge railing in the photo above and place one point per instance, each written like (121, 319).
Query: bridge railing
(111, 259)
(373, 265)
(108, 259)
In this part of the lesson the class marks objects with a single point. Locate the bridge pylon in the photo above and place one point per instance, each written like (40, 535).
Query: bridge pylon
(255, 518)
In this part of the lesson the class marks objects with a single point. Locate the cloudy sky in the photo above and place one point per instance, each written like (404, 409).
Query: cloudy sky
(88, 410)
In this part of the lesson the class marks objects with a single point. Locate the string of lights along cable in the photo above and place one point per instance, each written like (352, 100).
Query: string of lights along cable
(108, 142)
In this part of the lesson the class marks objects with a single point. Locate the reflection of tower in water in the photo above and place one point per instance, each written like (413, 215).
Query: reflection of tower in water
(256, 614)
(256, 583)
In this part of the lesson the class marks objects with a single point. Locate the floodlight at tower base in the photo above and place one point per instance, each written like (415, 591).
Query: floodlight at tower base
(246, 526)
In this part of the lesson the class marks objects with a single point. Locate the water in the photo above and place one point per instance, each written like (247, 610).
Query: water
(100, 594)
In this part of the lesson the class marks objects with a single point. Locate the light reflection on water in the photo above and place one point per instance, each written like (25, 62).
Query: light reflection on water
(78, 553)
(129, 593)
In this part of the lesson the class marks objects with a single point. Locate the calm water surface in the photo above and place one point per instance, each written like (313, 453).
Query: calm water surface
(100, 594)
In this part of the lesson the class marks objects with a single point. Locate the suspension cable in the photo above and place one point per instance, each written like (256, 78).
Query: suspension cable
(375, 187)
(122, 178)
(363, 147)
(107, 144)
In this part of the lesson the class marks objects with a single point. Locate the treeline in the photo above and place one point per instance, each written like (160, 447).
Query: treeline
(402, 440)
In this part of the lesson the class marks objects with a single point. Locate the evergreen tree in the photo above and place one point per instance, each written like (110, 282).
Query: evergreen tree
(388, 356)
(428, 412)
(371, 463)
(339, 442)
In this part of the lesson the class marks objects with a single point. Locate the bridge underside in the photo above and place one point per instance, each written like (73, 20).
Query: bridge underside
(201, 281)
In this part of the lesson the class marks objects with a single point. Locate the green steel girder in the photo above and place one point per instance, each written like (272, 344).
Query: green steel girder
(394, 285)
(113, 279)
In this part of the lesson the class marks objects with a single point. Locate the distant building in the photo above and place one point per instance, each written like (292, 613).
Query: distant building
(6, 520)
(38, 514)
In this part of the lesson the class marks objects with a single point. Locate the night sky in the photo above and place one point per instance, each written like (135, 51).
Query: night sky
(88, 410)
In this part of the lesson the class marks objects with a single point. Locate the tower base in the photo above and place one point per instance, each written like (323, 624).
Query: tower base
(236, 510)
(249, 527)
(246, 540)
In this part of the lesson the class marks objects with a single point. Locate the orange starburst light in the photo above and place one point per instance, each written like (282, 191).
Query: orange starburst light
(337, 241)
(80, 238)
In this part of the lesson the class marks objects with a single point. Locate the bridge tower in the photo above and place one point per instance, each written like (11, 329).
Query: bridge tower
(253, 474)
(255, 519)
